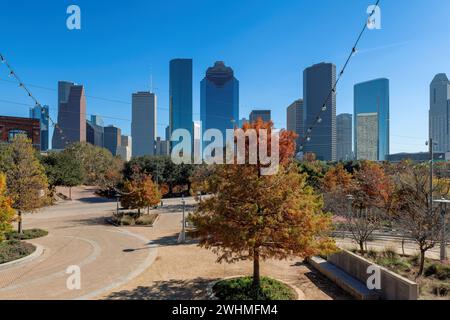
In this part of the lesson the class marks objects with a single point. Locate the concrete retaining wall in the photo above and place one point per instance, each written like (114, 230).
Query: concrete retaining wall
(393, 286)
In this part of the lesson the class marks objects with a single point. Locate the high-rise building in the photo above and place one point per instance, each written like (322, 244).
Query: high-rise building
(318, 82)
(219, 99)
(197, 146)
(371, 103)
(180, 95)
(439, 112)
(162, 147)
(94, 134)
(71, 115)
(42, 114)
(112, 138)
(295, 120)
(143, 124)
(344, 125)
(97, 120)
(124, 150)
(265, 115)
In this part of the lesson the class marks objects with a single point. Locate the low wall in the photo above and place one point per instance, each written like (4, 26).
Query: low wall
(393, 286)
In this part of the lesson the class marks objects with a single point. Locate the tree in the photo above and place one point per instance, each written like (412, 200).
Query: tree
(362, 198)
(140, 192)
(7, 213)
(26, 180)
(250, 216)
(412, 210)
(62, 169)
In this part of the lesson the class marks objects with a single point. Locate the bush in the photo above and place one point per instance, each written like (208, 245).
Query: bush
(372, 254)
(442, 290)
(146, 220)
(390, 253)
(13, 250)
(438, 270)
(395, 264)
(26, 235)
(126, 221)
(242, 289)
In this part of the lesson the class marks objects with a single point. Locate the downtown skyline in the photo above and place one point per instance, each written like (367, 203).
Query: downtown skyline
(273, 86)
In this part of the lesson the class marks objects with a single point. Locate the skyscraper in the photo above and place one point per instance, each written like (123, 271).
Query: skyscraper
(265, 115)
(124, 150)
(97, 120)
(219, 99)
(41, 113)
(318, 81)
(180, 95)
(143, 124)
(295, 120)
(94, 134)
(71, 115)
(112, 138)
(344, 124)
(371, 103)
(439, 112)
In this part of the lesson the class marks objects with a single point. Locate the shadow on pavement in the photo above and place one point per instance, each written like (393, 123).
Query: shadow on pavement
(194, 289)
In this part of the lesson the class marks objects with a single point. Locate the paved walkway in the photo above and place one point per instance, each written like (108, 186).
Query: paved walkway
(78, 236)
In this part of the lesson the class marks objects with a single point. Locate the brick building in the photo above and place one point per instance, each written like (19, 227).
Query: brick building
(12, 126)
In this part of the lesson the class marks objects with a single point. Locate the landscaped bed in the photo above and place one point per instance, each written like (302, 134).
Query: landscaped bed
(242, 289)
(132, 218)
(434, 284)
(13, 249)
(26, 235)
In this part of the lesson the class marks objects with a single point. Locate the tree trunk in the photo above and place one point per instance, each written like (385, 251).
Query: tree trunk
(19, 223)
(139, 212)
(422, 262)
(256, 275)
(70, 193)
(361, 247)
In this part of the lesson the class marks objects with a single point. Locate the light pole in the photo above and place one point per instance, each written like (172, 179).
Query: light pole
(182, 238)
(443, 203)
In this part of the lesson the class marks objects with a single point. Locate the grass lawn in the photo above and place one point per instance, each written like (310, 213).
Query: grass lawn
(13, 250)
(242, 289)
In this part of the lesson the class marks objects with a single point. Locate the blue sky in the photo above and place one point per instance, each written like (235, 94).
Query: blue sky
(267, 43)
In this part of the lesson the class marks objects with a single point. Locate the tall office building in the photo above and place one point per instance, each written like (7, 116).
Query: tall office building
(371, 103)
(143, 124)
(71, 115)
(295, 120)
(112, 138)
(162, 147)
(344, 125)
(97, 120)
(219, 99)
(318, 81)
(439, 112)
(180, 95)
(94, 134)
(265, 115)
(42, 113)
(124, 150)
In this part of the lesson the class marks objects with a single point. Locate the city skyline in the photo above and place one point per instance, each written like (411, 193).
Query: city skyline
(113, 74)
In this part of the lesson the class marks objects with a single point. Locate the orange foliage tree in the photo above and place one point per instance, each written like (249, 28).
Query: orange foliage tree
(7, 213)
(250, 216)
(140, 192)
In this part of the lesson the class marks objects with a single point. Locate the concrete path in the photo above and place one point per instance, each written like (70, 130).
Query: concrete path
(78, 236)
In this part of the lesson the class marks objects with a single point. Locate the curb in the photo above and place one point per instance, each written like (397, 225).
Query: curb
(36, 254)
(210, 293)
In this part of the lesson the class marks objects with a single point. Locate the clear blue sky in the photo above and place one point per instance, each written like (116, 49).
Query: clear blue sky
(267, 43)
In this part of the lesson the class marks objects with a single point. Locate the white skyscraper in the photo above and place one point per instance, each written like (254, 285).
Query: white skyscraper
(143, 125)
(439, 112)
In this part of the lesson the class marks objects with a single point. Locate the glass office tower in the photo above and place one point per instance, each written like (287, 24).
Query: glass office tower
(180, 95)
(219, 99)
(41, 113)
(371, 103)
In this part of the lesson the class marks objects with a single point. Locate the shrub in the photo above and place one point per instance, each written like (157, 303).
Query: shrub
(390, 253)
(13, 250)
(27, 234)
(127, 221)
(438, 270)
(372, 254)
(146, 220)
(442, 289)
(396, 264)
(242, 289)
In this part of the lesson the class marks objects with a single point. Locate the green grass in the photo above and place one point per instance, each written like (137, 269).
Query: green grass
(13, 250)
(242, 289)
(26, 235)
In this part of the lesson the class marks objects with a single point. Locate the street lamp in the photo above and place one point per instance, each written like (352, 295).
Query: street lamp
(117, 202)
(443, 203)
(182, 238)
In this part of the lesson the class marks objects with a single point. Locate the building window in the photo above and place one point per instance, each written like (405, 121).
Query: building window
(14, 132)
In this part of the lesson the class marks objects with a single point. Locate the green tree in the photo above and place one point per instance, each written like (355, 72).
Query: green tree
(25, 176)
(7, 213)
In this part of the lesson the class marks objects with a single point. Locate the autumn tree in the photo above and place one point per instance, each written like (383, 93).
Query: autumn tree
(251, 216)
(412, 206)
(140, 192)
(7, 213)
(25, 176)
(361, 198)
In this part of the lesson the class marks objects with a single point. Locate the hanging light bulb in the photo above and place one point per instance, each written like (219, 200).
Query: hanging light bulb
(309, 130)
(308, 139)
(319, 120)
(324, 108)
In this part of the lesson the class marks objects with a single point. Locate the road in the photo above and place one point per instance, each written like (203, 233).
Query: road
(78, 236)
